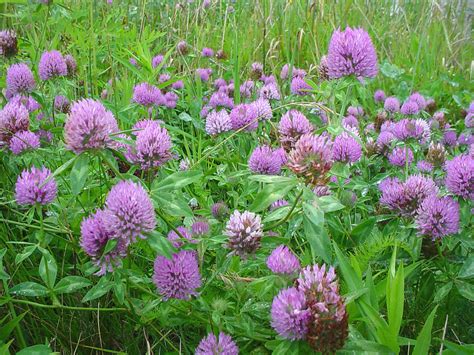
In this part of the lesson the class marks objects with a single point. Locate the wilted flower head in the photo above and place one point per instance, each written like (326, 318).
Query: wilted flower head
(438, 217)
(351, 52)
(256, 70)
(283, 261)
(182, 48)
(218, 122)
(89, 126)
(176, 240)
(405, 197)
(436, 154)
(244, 231)
(293, 125)
(262, 109)
(211, 345)
(400, 156)
(14, 117)
(51, 64)
(221, 55)
(323, 69)
(220, 210)
(265, 160)
(24, 140)
(392, 104)
(177, 277)
(290, 314)
(311, 158)
(379, 96)
(243, 115)
(152, 147)
(131, 211)
(71, 64)
(299, 86)
(8, 43)
(460, 176)
(62, 104)
(94, 238)
(20, 80)
(147, 95)
(35, 186)
(346, 148)
(207, 52)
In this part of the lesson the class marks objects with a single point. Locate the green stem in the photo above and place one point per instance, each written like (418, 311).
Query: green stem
(287, 217)
(169, 224)
(18, 330)
(71, 308)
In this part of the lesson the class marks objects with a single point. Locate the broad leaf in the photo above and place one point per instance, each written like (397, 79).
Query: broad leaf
(29, 289)
(71, 284)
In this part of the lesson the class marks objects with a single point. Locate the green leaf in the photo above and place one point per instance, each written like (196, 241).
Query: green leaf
(29, 289)
(350, 276)
(391, 70)
(79, 173)
(71, 284)
(6, 329)
(177, 181)
(315, 233)
(364, 228)
(467, 270)
(465, 289)
(102, 287)
(3, 275)
(26, 253)
(40, 349)
(111, 244)
(160, 244)
(273, 179)
(269, 194)
(329, 204)
(395, 299)
(443, 292)
(423, 340)
(173, 204)
(48, 269)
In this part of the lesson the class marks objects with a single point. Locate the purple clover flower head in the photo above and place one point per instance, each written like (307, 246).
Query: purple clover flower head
(205, 111)
(152, 147)
(293, 125)
(45, 136)
(14, 117)
(283, 261)
(218, 122)
(350, 121)
(465, 139)
(94, 238)
(299, 86)
(71, 65)
(220, 82)
(262, 109)
(146, 94)
(277, 204)
(270, 92)
(244, 231)
(460, 176)
(322, 190)
(409, 108)
(346, 148)
(400, 156)
(297, 72)
(204, 73)
(450, 138)
(405, 197)
(355, 111)
(157, 60)
(207, 52)
(177, 277)
(170, 100)
(418, 99)
(200, 227)
(312, 158)
(384, 140)
(243, 115)
(22, 141)
(35, 186)
(469, 120)
(178, 85)
(328, 326)
(20, 80)
(8, 43)
(246, 88)
(265, 160)
(163, 78)
(211, 345)
(284, 72)
(28, 101)
(290, 314)
(220, 210)
(424, 166)
(52, 64)
(379, 96)
(184, 164)
(438, 217)
(176, 240)
(134, 62)
(221, 99)
(131, 211)
(351, 52)
(89, 126)
(62, 104)
(392, 104)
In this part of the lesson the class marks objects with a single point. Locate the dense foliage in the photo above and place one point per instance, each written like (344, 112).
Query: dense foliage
(223, 177)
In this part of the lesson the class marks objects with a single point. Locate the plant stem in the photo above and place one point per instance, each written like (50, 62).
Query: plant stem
(60, 306)
(162, 216)
(280, 222)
